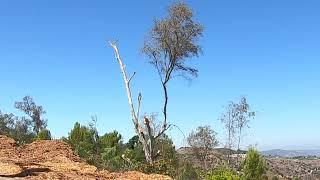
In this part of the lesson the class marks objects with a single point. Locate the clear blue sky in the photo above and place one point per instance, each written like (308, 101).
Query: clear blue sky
(56, 51)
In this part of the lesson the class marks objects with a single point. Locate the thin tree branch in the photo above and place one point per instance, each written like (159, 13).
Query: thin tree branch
(147, 147)
(127, 82)
(134, 73)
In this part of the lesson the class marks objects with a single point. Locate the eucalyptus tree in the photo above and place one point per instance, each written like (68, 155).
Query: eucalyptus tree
(35, 113)
(243, 118)
(170, 44)
(235, 119)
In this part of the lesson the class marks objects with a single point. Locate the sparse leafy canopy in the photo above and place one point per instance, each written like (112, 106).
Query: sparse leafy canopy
(6, 123)
(204, 137)
(236, 117)
(28, 106)
(243, 117)
(229, 121)
(16, 128)
(202, 141)
(171, 42)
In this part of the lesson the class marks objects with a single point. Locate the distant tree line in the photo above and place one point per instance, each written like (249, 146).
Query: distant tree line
(25, 129)
(108, 151)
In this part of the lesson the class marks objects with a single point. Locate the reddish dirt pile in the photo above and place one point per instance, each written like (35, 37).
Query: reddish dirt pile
(7, 148)
(48, 150)
(53, 159)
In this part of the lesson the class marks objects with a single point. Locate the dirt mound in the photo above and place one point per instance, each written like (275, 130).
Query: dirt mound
(7, 143)
(8, 148)
(48, 150)
(53, 159)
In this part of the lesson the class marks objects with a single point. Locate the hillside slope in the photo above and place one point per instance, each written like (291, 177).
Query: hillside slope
(284, 167)
(53, 159)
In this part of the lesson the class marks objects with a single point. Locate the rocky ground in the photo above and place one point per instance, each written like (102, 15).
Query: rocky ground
(53, 159)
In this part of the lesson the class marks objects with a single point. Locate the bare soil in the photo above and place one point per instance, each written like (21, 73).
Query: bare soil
(54, 159)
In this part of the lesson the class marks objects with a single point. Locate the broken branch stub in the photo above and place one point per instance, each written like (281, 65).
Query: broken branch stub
(146, 141)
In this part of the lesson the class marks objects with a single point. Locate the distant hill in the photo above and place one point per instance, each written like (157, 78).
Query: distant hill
(291, 153)
(278, 163)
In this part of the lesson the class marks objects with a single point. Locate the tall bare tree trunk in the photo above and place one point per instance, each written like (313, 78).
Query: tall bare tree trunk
(229, 146)
(146, 141)
(239, 139)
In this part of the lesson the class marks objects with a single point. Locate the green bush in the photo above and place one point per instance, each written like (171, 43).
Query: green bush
(111, 151)
(102, 151)
(274, 177)
(44, 134)
(222, 173)
(187, 172)
(134, 151)
(166, 161)
(84, 142)
(254, 165)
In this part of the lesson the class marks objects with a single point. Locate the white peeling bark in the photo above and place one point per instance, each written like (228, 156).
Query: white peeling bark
(147, 142)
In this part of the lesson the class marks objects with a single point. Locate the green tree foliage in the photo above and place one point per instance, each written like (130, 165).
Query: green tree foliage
(21, 132)
(108, 151)
(134, 151)
(35, 113)
(166, 157)
(113, 139)
(166, 149)
(82, 139)
(44, 134)
(112, 150)
(223, 173)
(23, 129)
(102, 151)
(254, 165)
(166, 161)
(16, 128)
(187, 172)
(6, 123)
